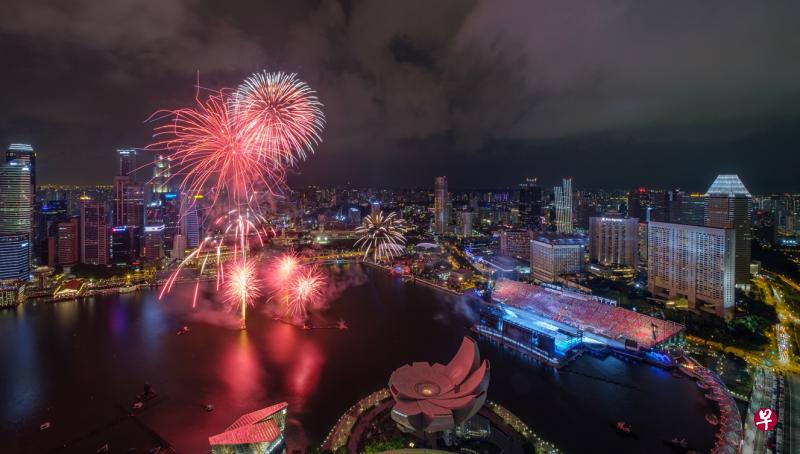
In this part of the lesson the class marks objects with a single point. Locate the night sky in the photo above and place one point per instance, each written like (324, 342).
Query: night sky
(616, 93)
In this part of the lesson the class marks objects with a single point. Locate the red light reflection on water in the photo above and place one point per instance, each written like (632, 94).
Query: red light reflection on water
(241, 370)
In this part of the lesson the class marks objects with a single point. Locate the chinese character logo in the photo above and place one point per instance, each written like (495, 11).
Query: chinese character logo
(765, 419)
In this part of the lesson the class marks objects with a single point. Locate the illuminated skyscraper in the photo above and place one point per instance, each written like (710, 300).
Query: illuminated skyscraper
(126, 162)
(613, 241)
(190, 226)
(16, 208)
(530, 203)
(24, 152)
(692, 262)
(553, 255)
(68, 252)
(728, 205)
(94, 233)
(374, 208)
(563, 206)
(161, 175)
(153, 242)
(441, 206)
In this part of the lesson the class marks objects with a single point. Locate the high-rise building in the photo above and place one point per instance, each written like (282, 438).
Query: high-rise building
(516, 242)
(530, 203)
(374, 208)
(126, 162)
(563, 206)
(637, 204)
(25, 153)
(68, 242)
(125, 243)
(442, 207)
(553, 255)
(15, 257)
(728, 205)
(153, 241)
(467, 223)
(94, 233)
(692, 262)
(171, 206)
(178, 247)
(613, 241)
(687, 208)
(16, 215)
(48, 215)
(161, 175)
(190, 226)
(354, 216)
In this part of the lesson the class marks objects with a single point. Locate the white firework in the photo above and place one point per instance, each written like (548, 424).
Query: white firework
(381, 237)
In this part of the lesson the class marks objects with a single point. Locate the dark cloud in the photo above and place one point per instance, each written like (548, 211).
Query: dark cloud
(486, 91)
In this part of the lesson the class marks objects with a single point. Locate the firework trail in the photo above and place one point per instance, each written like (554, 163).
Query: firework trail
(241, 286)
(381, 236)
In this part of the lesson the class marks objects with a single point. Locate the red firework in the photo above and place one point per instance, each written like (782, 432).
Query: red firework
(305, 290)
(280, 116)
(241, 287)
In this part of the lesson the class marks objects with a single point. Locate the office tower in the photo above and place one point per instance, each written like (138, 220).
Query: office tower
(126, 162)
(442, 206)
(16, 207)
(354, 216)
(613, 241)
(171, 207)
(516, 243)
(585, 208)
(687, 208)
(553, 255)
(178, 247)
(25, 153)
(563, 206)
(161, 175)
(94, 233)
(659, 209)
(190, 226)
(530, 203)
(467, 222)
(125, 242)
(48, 216)
(68, 242)
(692, 262)
(374, 208)
(637, 204)
(642, 243)
(728, 205)
(153, 241)
(15, 257)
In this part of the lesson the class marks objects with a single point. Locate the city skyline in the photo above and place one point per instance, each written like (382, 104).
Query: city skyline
(653, 108)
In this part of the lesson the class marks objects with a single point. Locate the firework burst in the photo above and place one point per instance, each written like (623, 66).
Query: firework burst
(241, 287)
(305, 290)
(381, 237)
(280, 117)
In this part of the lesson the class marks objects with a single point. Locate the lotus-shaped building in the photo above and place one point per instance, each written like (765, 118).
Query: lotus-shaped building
(434, 397)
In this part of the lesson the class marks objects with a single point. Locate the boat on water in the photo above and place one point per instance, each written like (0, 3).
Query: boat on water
(128, 288)
(183, 330)
(341, 325)
(712, 419)
(208, 407)
(623, 427)
(679, 442)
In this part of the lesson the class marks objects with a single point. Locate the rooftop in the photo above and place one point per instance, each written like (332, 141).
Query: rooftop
(728, 185)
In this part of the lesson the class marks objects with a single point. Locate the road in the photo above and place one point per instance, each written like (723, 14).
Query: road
(791, 417)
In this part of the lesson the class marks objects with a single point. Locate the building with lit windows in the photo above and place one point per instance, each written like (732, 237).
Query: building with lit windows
(553, 255)
(695, 263)
(530, 203)
(728, 205)
(515, 243)
(15, 257)
(563, 206)
(260, 432)
(68, 252)
(613, 241)
(16, 214)
(94, 233)
(442, 206)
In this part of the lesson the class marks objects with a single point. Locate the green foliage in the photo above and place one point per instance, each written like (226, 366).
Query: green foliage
(386, 445)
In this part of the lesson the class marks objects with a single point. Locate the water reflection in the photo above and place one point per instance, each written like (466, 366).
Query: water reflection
(240, 370)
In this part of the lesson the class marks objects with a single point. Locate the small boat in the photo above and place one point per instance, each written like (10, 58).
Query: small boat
(208, 407)
(128, 288)
(138, 405)
(624, 427)
(712, 419)
(341, 325)
(103, 448)
(182, 331)
(44, 426)
(679, 443)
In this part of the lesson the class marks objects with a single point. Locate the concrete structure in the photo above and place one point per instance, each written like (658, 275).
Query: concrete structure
(613, 241)
(431, 398)
(516, 243)
(68, 242)
(563, 205)
(553, 255)
(442, 206)
(258, 432)
(692, 262)
(728, 205)
(94, 233)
